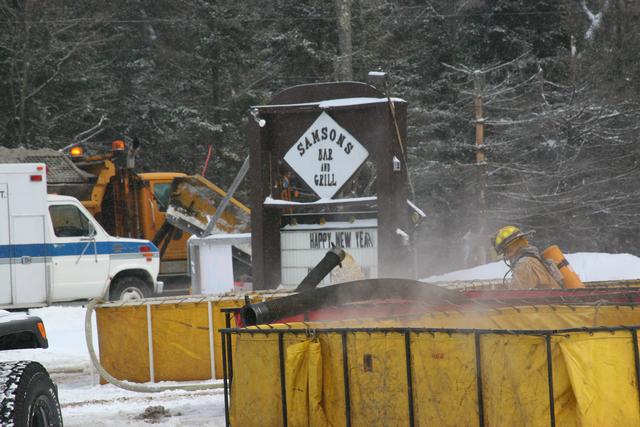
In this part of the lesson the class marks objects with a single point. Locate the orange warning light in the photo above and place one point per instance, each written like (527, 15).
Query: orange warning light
(77, 151)
(41, 329)
(117, 145)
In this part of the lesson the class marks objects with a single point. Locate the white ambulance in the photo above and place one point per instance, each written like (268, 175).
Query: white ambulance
(53, 250)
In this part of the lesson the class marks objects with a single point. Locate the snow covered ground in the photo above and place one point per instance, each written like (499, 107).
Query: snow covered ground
(590, 266)
(85, 402)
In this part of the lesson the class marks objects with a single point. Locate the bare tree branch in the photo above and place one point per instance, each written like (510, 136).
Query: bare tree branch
(595, 19)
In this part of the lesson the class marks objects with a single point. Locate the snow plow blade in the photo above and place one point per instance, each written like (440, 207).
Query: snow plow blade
(194, 201)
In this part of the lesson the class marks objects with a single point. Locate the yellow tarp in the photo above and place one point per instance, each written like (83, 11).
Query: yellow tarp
(180, 334)
(594, 376)
(260, 380)
(526, 317)
(602, 373)
(450, 362)
(304, 385)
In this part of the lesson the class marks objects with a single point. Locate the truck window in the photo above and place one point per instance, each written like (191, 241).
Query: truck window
(69, 221)
(162, 193)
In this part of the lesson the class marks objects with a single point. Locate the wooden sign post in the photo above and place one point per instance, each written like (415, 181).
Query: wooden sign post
(323, 134)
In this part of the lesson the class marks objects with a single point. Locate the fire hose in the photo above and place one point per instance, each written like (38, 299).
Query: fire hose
(345, 293)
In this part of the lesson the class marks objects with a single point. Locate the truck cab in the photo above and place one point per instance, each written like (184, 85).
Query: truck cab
(153, 200)
(52, 249)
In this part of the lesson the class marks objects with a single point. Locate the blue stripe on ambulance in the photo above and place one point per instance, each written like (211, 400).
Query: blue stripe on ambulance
(73, 248)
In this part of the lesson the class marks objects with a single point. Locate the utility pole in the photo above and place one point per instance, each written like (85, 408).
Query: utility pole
(482, 92)
(480, 165)
(344, 63)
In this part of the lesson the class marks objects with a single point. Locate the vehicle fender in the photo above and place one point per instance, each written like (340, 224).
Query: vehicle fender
(18, 331)
(148, 272)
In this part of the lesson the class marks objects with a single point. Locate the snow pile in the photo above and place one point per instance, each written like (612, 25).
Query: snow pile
(494, 270)
(67, 346)
(590, 266)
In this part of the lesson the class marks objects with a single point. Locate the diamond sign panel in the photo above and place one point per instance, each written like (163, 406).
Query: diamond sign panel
(326, 156)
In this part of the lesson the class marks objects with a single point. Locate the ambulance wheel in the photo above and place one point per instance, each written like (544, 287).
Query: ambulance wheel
(29, 396)
(129, 288)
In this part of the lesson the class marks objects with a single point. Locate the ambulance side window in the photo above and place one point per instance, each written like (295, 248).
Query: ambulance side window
(69, 221)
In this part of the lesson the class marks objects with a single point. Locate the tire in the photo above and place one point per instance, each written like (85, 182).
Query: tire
(129, 288)
(28, 396)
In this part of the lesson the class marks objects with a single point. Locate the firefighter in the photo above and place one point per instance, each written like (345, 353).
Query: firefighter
(530, 270)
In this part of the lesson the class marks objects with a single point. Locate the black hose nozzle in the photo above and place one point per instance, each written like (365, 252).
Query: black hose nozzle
(332, 258)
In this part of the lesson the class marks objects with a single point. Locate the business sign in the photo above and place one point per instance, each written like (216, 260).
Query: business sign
(304, 245)
(326, 156)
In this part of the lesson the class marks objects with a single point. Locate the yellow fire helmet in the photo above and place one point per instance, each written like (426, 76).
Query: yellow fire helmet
(507, 235)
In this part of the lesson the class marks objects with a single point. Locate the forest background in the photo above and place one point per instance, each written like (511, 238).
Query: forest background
(559, 81)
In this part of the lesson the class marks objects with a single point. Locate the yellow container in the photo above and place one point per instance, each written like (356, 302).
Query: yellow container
(521, 371)
(180, 336)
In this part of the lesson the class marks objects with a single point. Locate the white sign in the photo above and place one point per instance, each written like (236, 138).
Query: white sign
(326, 156)
(304, 245)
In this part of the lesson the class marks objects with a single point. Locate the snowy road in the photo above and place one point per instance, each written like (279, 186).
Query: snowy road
(105, 405)
(84, 402)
